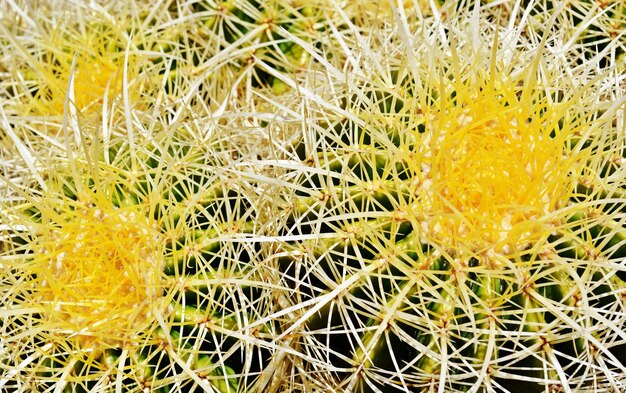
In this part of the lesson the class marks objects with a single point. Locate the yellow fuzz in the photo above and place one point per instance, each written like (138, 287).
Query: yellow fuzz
(91, 77)
(98, 273)
(98, 71)
(490, 170)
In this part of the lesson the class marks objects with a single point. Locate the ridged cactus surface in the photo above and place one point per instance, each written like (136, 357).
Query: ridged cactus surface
(262, 31)
(120, 269)
(598, 26)
(457, 224)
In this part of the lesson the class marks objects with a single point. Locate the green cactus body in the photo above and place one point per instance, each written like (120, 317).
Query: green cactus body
(256, 30)
(599, 24)
(464, 232)
(127, 276)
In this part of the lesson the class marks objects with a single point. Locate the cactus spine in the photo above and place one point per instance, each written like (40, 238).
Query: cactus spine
(463, 222)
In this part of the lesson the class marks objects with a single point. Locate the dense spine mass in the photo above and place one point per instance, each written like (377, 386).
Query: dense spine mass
(243, 196)
(125, 270)
(261, 36)
(464, 230)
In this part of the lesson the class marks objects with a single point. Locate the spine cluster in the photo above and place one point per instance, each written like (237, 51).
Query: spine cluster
(313, 196)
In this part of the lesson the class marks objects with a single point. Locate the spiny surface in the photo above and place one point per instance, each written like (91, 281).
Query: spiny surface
(122, 266)
(456, 220)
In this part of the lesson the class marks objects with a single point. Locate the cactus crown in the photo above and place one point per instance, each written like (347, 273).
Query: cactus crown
(97, 269)
(46, 66)
(492, 161)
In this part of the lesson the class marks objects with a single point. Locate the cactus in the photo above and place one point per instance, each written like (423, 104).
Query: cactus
(197, 54)
(456, 220)
(312, 196)
(122, 270)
